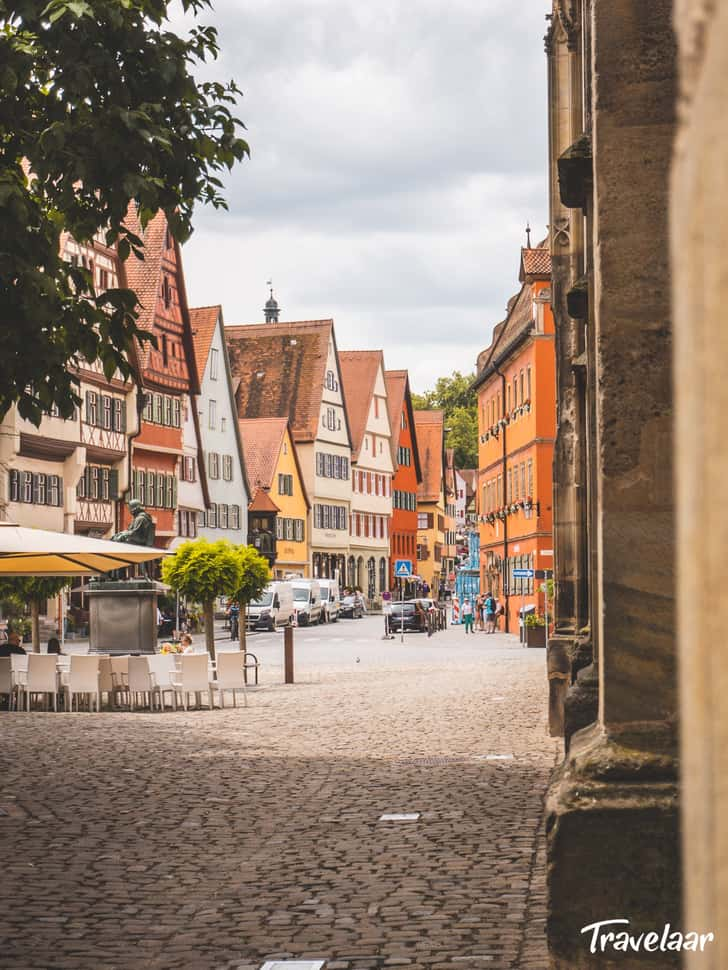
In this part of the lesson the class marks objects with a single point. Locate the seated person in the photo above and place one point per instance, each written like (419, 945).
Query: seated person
(186, 643)
(54, 646)
(11, 646)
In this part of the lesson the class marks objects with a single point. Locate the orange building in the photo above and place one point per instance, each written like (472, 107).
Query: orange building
(516, 385)
(407, 471)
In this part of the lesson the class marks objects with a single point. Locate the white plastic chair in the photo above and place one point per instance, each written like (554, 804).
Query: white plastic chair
(106, 679)
(230, 676)
(164, 671)
(193, 678)
(120, 677)
(42, 678)
(7, 682)
(84, 679)
(141, 681)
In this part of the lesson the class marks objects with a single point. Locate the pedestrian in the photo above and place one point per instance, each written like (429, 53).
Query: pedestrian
(53, 646)
(480, 600)
(500, 611)
(234, 615)
(11, 645)
(489, 607)
(186, 643)
(468, 615)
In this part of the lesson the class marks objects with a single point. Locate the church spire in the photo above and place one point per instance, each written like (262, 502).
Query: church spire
(271, 308)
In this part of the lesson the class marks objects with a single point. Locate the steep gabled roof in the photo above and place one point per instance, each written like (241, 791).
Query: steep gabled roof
(430, 427)
(358, 376)
(262, 440)
(203, 321)
(280, 370)
(144, 276)
(508, 334)
(399, 396)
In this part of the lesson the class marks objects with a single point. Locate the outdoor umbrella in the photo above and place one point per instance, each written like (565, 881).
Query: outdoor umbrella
(37, 552)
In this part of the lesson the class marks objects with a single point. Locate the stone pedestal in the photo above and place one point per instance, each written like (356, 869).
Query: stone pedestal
(123, 616)
(612, 824)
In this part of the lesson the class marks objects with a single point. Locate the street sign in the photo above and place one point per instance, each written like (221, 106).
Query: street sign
(403, 568)
(544, 574)
(523, 573)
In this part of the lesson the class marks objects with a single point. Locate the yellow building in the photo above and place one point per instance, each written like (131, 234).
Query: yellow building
(430, 427)
(274, 476)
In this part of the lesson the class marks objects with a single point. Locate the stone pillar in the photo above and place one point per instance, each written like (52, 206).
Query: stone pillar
(699, 213)
(123, 615)
(571, 609)
(612, 807)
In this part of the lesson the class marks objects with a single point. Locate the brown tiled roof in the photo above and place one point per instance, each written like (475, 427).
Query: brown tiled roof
(358, 376)
(536, 261)
(143, 276)
(518, 322)
(203, 320)
(279, 369)
(430, 427)
(470, 476)
(399, 396)
(262, 439)
(262, 502)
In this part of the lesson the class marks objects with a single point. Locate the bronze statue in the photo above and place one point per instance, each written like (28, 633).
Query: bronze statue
(141, 532)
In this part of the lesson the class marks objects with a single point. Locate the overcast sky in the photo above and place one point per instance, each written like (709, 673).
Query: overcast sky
(398, 149)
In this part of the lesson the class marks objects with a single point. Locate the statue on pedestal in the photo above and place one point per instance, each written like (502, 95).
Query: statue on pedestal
(141, 532)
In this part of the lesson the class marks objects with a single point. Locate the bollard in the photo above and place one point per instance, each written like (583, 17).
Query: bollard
(288, 654)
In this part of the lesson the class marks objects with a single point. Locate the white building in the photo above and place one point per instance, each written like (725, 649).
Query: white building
(226, 515)
(372, 470)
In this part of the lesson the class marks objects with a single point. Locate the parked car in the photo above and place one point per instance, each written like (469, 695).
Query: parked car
(410, 616)
(351, 607)
(274, 608)
(307, 601)
(330, 599)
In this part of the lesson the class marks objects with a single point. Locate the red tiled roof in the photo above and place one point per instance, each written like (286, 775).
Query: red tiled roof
(430, 427)
(279, 371)
(507, 332)
(203, 320)
(262, 502)
(262, 439)
(143, 276)
(535, 262)
(358, 376)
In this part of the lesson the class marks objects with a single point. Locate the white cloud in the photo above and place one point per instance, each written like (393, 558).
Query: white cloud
(398, 149)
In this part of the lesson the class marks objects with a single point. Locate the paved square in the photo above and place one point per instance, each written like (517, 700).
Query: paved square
(222, 840)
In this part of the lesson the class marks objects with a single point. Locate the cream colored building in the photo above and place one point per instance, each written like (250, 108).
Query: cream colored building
(372, 471)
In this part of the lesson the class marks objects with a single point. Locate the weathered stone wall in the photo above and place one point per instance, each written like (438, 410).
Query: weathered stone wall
(700, 283)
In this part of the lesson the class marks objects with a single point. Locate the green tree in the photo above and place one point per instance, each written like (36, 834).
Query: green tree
(34, 590)
(202, 571)
(456, 397)
(99, 102)
(254, 577)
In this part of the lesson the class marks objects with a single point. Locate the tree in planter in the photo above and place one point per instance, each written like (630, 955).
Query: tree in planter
(202, 571)
(254, 577)
(33, 590)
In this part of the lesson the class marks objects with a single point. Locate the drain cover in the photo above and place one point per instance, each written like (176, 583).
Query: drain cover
(293, 965)
(401, 817)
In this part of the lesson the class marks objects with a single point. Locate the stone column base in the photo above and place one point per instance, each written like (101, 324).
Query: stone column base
(123, 616)
(613, 848)
(581, 704)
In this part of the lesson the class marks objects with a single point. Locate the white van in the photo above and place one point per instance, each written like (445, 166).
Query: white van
(330, 599)
(307, 601)
(272, 609)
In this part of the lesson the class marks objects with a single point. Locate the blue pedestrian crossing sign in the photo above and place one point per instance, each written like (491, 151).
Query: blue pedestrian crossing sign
(403, 568)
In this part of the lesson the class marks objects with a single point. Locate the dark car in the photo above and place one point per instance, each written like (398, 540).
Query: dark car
(409, 616)
(350, 608)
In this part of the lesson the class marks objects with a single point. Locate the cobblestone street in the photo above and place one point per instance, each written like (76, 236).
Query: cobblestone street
(221, 839)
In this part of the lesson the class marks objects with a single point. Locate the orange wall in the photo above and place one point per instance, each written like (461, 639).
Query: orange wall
(404, 523)
(529, 436)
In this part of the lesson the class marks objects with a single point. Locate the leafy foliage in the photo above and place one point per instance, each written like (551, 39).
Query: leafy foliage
(254, 575)
(456, 397)
(98, 101)
(33, 588)
(203, 570)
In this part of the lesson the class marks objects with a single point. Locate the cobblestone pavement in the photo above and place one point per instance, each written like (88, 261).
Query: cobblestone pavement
(220, 839)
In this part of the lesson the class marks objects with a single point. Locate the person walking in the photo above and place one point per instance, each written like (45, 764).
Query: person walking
(489, 607)
(468, 615)
(479, 607)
